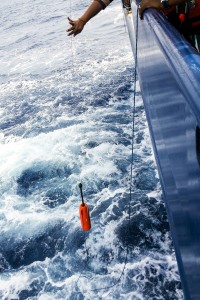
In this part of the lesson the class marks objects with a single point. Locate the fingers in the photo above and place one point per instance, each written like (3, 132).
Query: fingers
(71, 33)
(76, 27)
(71, 22)
(77, 32)
(71, 30)
(74, 33)
(145, 4)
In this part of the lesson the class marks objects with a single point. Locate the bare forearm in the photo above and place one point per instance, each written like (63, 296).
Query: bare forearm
(94, 8)
(78, 25)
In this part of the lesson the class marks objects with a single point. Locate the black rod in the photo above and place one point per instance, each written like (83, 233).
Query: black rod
(80, 186)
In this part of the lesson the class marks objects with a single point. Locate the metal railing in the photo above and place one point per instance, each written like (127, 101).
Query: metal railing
(169, 75)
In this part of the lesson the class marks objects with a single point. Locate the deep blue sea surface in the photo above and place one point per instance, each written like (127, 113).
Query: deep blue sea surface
(66, 117)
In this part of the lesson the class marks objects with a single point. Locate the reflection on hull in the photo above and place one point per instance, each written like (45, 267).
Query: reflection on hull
(169, 75)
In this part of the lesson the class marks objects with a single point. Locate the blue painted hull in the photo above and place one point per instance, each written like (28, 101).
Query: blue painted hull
(169, 75)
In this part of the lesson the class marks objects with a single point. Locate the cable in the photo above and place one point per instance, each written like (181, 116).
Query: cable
(131, 171)
(72, 53)
(134, 104)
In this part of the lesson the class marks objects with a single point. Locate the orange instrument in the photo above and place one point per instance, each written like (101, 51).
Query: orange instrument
(84, 213)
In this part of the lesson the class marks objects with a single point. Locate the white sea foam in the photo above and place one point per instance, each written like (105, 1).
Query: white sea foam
(66, 117)
(12, 284)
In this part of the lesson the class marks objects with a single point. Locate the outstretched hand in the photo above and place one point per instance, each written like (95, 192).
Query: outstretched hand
(76, 26)
(144, 4)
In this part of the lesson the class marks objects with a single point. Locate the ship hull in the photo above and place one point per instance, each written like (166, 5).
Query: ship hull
(168, 69)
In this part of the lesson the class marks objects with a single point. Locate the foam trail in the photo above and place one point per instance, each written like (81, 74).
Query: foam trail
(57, 130)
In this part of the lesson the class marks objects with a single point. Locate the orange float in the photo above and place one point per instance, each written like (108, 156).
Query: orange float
(85, 217)
(84, 213)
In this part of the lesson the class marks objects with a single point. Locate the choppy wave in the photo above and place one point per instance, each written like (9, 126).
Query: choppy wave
(66, 117)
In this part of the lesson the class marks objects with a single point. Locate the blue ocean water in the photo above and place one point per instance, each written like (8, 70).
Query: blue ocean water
(66, 117)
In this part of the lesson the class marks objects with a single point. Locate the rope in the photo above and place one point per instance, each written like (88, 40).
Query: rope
(72, 54)
(131, 171)
(133, 113)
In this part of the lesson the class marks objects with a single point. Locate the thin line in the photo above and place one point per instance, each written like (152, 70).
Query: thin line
(131, 174)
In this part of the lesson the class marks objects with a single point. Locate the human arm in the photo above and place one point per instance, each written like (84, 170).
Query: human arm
(78, 25)
(144, 4)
